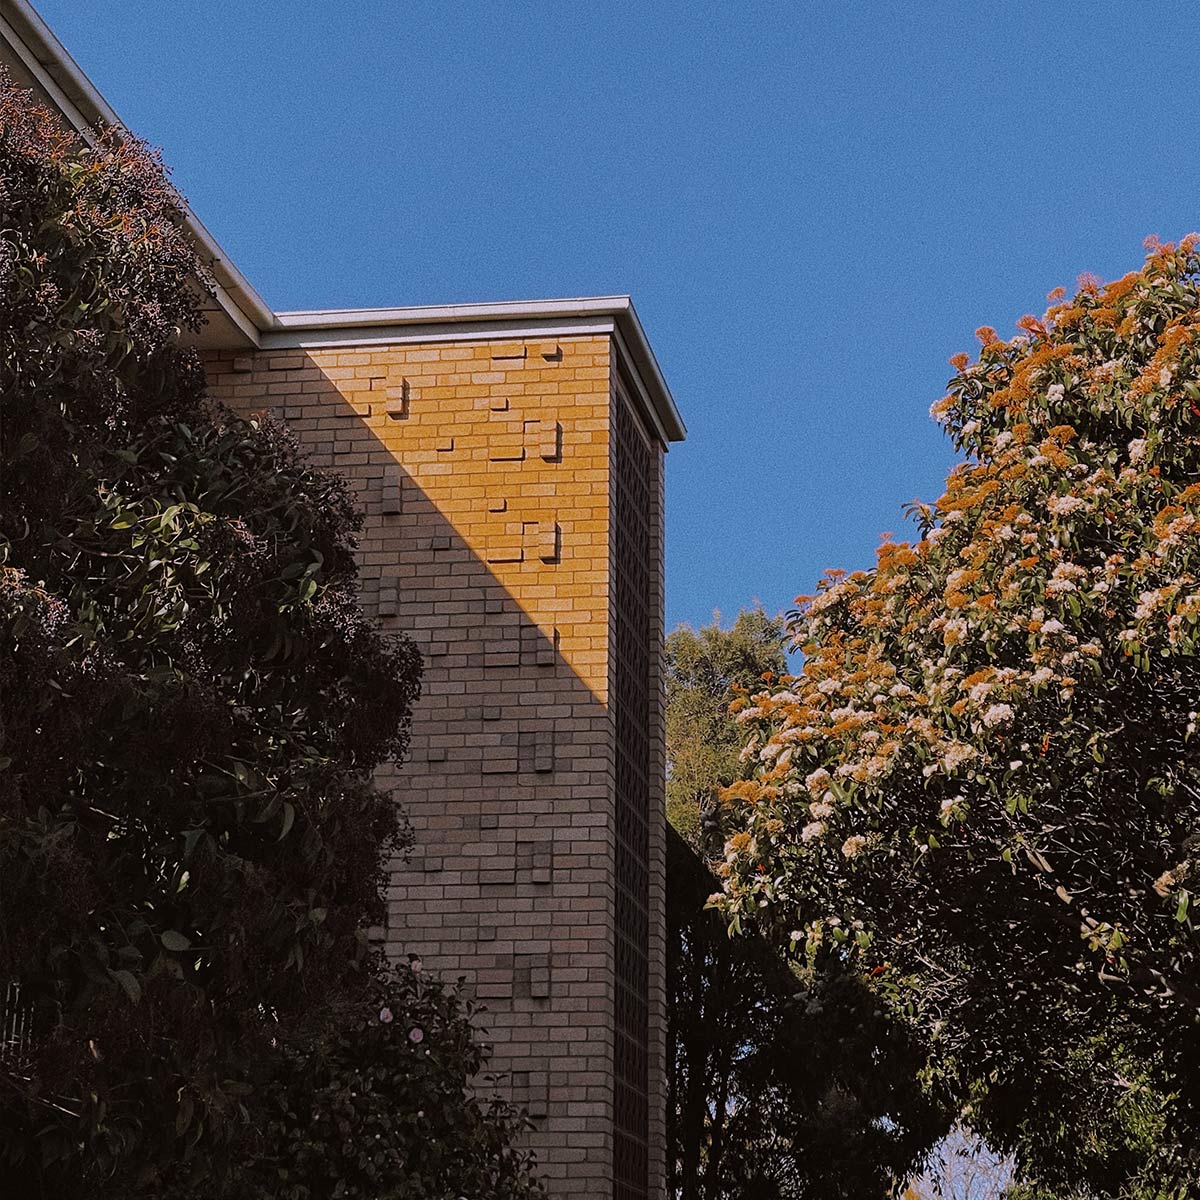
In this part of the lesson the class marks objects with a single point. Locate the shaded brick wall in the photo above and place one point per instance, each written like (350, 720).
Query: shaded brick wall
(486, 471)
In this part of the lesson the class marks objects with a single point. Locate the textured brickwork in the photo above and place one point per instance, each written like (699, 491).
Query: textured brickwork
(491, 482)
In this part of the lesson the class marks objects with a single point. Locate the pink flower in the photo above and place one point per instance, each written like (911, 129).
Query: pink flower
(385, 1015)
(416, 1035)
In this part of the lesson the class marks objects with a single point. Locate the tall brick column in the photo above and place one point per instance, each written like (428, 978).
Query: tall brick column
(514, 498)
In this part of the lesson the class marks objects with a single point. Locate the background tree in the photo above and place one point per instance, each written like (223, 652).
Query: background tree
(982, 787)
(783, 1083)
(191, 707)
(963, 1168)
(702, 742)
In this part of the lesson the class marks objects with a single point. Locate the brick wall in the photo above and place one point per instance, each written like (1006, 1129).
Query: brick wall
(488, 475)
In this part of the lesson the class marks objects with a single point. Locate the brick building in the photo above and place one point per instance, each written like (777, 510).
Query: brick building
(509, 458)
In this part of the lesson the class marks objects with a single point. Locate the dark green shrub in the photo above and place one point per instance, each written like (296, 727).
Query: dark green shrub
(191, 708)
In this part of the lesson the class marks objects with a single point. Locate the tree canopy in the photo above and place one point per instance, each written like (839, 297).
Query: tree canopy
(191, 707)
(982, 786)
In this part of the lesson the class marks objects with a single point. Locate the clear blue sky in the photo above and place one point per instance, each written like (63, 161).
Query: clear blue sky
(812, 204)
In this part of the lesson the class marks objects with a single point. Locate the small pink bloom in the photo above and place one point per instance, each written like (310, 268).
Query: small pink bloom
(416, 1035)
(385, 1015)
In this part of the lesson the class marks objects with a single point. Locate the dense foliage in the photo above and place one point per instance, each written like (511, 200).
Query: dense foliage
(783, 1082)
(783, 1085)
(381, 1103)
(191, 706)
(983, 785)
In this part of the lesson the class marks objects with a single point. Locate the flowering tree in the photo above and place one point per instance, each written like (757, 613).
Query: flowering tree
(983, 786)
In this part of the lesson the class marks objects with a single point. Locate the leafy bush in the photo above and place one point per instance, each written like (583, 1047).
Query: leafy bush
(382, 1104)
(983, 786)
(191, 708)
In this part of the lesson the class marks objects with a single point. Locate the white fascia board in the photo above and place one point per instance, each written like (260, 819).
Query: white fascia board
(504, 310)
(512, 319)
(82, 105)
(408, 333)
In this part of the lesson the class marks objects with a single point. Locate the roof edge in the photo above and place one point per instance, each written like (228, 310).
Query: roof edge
(363, 322)
(82, 105)
(80, 102)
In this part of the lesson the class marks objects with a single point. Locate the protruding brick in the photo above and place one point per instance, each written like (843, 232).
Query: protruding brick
(543, 438)
(389, 597)
(501, 755)
(538, 1093)
(506, 442)
(539, 647)
(539, 976)
(537, 748)
(396, 401)
(391, 492)
(542, 540)
(507, 545)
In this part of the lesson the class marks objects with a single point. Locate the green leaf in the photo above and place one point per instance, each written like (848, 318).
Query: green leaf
(173, 940)
(129, 984)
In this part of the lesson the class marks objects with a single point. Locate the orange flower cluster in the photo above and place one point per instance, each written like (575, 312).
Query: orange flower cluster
(1070, 534)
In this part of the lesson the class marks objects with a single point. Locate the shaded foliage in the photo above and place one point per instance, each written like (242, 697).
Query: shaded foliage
(191, 707)
(783, 1083)
(983, 786)
(382, 1103)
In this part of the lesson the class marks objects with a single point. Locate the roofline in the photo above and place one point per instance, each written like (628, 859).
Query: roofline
(84, 107)
(586, 314)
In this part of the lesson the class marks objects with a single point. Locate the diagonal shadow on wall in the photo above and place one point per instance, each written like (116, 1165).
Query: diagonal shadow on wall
(523, 870)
